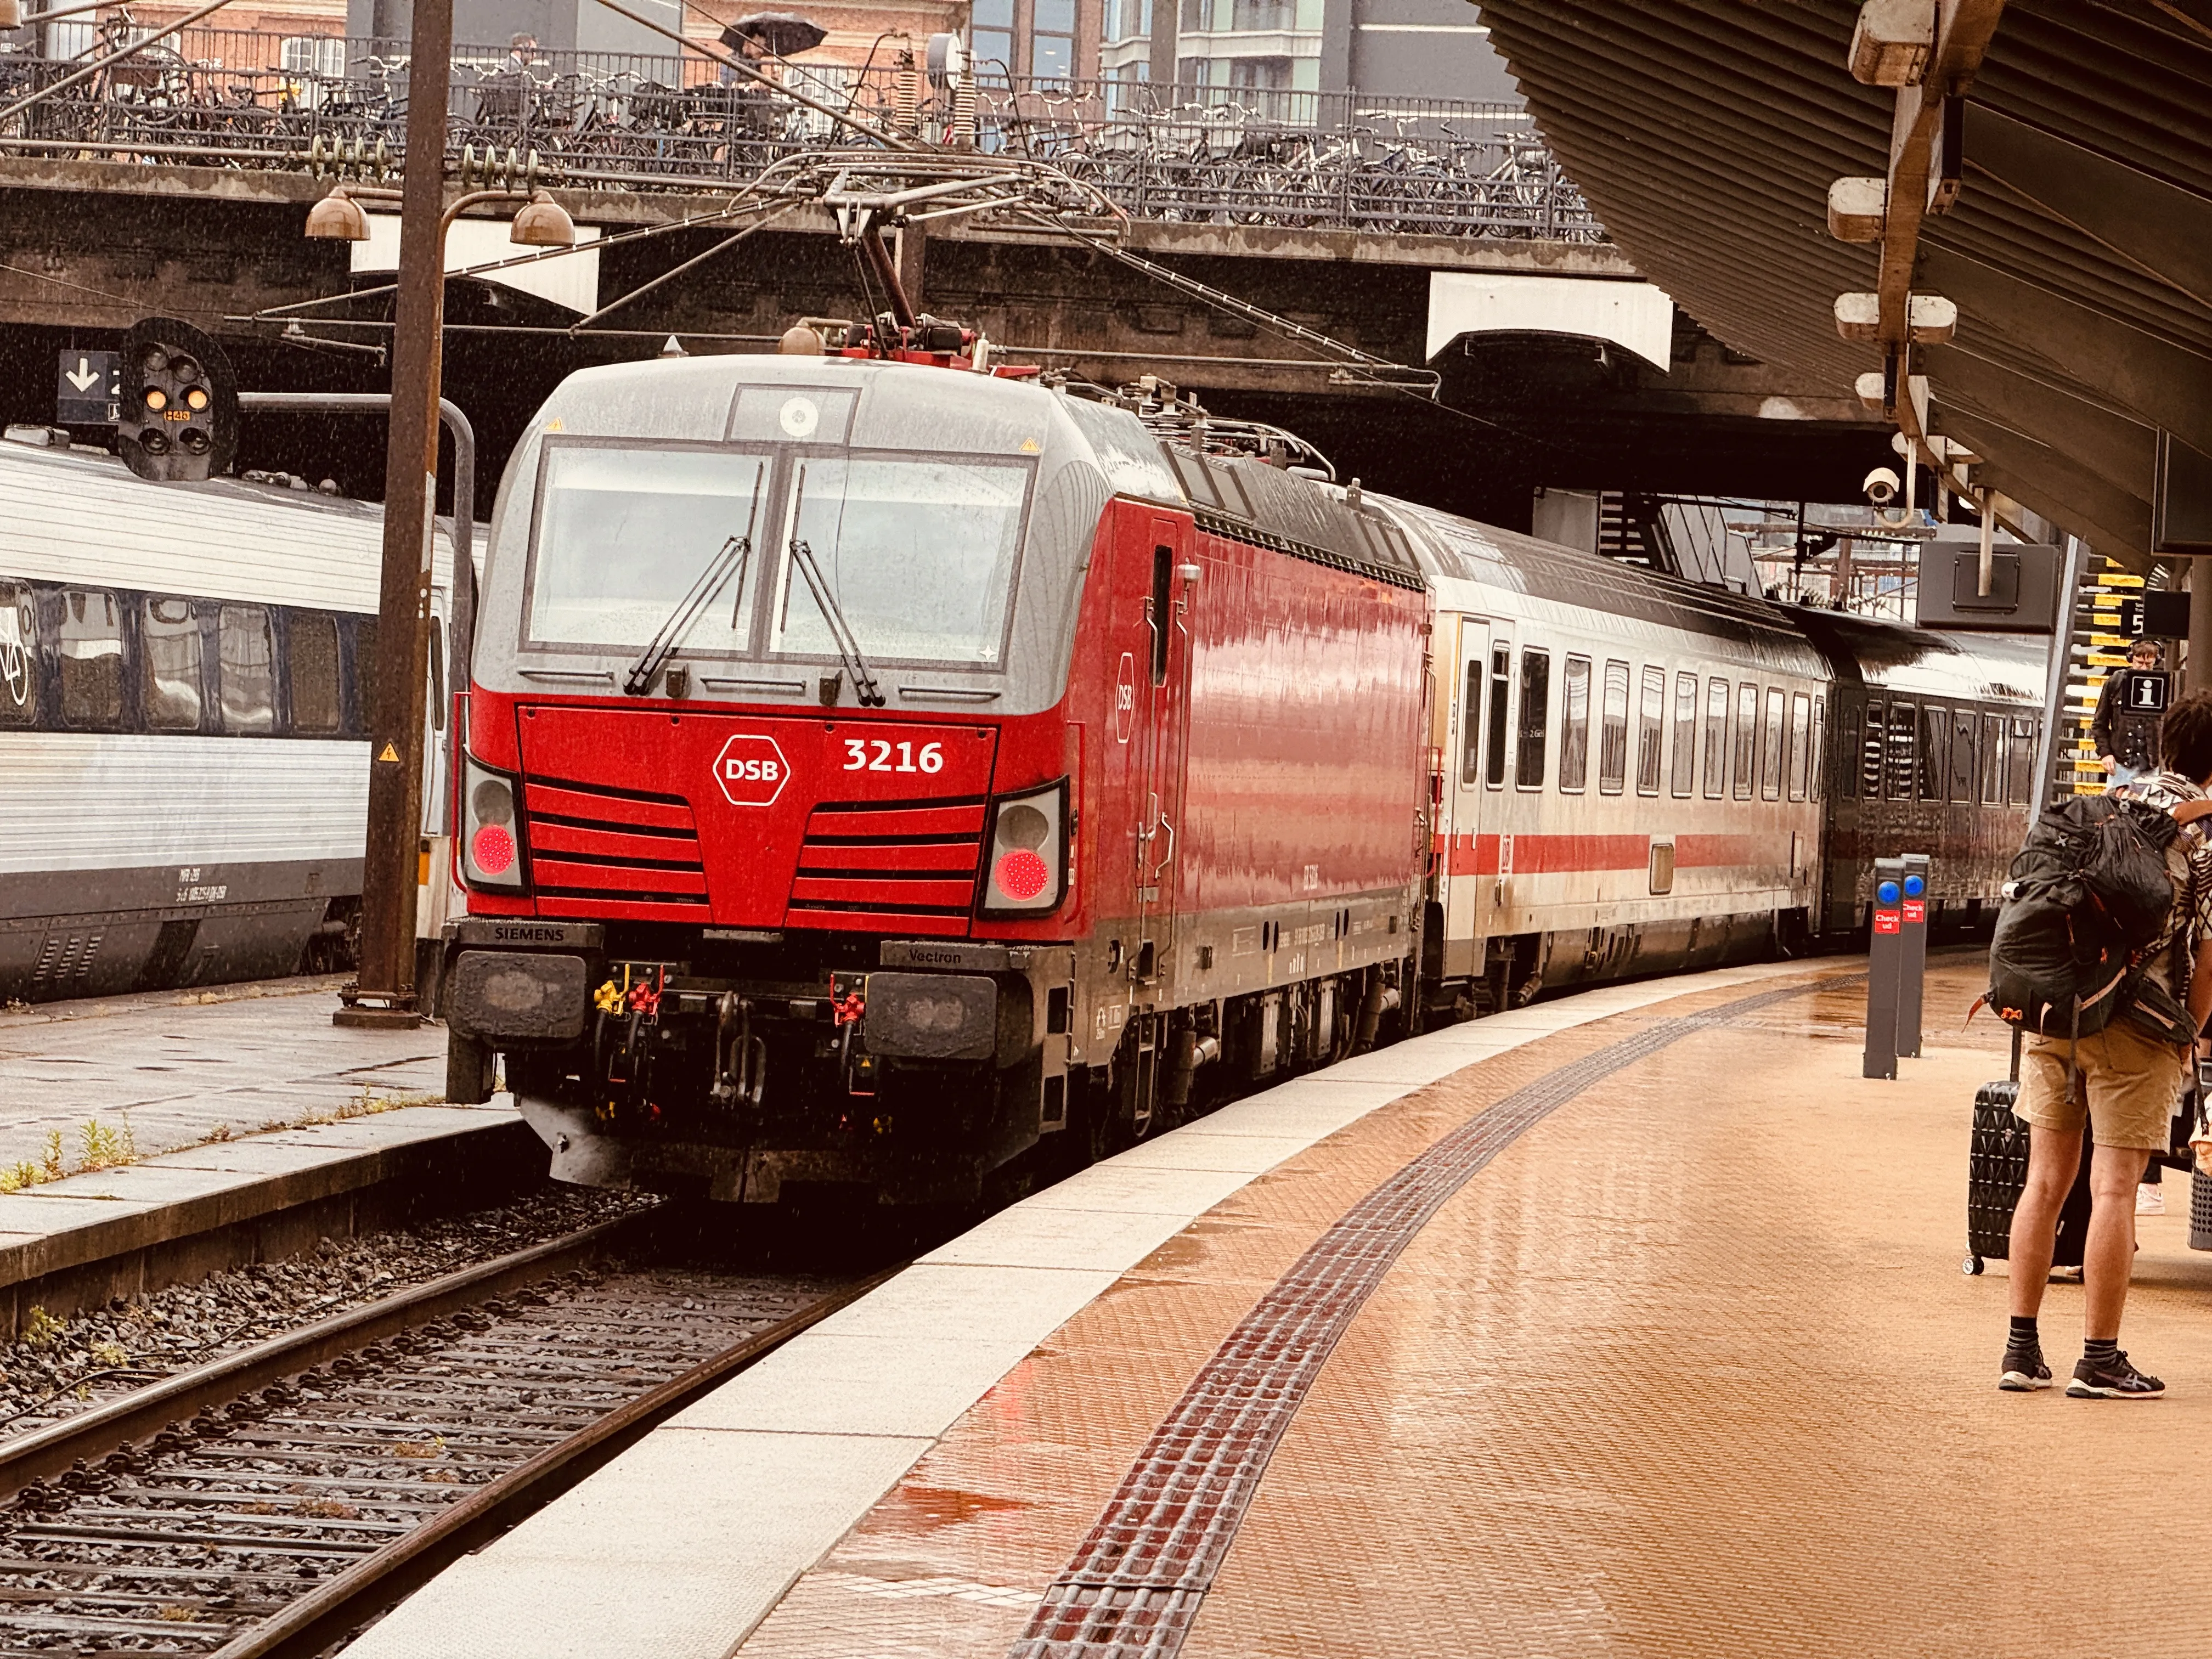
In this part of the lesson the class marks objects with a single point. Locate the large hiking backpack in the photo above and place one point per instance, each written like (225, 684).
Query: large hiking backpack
(2089, 892)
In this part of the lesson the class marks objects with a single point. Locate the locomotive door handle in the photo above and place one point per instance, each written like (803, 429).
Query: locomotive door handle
(1169, 858)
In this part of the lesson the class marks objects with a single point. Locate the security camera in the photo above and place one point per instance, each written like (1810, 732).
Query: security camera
(1882, 486)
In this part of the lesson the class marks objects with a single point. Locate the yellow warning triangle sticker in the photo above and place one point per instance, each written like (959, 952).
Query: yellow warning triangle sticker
(389, 754)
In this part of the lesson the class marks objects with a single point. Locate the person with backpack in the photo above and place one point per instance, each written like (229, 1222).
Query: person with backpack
(2113, 1003)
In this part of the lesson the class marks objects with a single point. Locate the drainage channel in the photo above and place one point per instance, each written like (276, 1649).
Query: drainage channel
(273, 1502)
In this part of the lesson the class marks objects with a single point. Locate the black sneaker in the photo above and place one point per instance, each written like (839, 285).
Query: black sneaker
(2022, 1371)
(2116, 1379)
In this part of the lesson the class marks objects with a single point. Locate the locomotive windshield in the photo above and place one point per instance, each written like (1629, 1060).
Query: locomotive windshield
(917, 553)
(623, 534)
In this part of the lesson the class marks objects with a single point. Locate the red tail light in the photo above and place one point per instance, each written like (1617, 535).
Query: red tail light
(1021, 875)
(493, 849)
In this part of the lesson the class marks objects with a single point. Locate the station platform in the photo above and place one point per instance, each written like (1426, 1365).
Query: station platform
(179, 1067)
(150, 1139)
(1631, 1322)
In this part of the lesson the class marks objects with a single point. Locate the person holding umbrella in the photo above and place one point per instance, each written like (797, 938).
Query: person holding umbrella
(760, 40)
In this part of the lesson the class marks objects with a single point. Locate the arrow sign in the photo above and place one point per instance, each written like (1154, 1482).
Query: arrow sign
(87, 386)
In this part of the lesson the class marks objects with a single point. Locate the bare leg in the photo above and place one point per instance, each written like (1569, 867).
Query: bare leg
(2054, 1159)
(2108, 1260)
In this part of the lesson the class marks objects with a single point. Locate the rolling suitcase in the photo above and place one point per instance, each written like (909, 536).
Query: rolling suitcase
(1997, 1170)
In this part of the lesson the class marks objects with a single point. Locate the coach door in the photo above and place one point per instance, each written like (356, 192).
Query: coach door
(1160, 652)
(1477, 785)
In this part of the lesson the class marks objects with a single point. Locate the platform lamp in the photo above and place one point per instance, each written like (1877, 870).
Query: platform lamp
(11, 13)
(383, 991)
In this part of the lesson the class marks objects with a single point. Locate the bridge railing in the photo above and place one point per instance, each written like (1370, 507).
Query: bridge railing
(1188, 153)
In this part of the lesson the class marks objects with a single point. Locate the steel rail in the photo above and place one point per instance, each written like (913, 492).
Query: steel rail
(95, 1433)
(327, 1613)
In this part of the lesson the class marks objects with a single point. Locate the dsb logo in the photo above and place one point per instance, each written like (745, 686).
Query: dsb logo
(751, 771)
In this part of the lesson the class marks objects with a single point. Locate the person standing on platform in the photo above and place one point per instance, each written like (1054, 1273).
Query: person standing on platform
(2127, 743)
(2130, 1082)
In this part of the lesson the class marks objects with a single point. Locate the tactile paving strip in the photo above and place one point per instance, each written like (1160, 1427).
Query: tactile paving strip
(1135, 1585)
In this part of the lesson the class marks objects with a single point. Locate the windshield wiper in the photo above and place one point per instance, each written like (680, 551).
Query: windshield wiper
(841, 631)
(736, 552)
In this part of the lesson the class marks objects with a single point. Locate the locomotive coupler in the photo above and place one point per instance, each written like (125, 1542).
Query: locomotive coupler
(740, 1058)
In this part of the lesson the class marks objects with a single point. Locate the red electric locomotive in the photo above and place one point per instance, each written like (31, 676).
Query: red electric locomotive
(883, 776)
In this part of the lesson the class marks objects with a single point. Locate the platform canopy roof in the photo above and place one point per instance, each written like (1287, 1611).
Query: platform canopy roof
(1707, 135)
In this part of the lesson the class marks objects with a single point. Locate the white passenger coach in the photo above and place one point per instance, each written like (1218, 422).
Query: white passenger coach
(182, 726)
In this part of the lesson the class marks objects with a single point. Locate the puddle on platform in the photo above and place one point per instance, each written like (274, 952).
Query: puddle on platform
(915, 1510)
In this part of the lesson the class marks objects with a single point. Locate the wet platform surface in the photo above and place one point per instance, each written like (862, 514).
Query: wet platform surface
(181, 1067)
(223, 1125)
(1687, 1366)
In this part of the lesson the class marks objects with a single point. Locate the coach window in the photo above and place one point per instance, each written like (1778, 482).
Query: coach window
(1867, 778)
(19, 654)
(1801, 742)
(1574, 727)
(1684, 774)
(245, 661)
(1470, 724)
(172, 634)
(1612, 737)
(1993, 760)
(1159, 615)
(311, 662)
(91, 659)
(1903, 728)
(1716, 707)
(1962, 754)
(437, 675)
(1535, 718)
(1935, 750)
(1650, 731)
(1770, 743)
(1820, 747)
(2019, 761)
(1501, 687)
(1747, 740)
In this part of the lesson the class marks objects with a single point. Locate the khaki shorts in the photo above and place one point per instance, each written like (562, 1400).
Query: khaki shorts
(2134, 1085)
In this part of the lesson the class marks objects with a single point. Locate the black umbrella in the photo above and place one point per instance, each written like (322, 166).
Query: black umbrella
(779, 33)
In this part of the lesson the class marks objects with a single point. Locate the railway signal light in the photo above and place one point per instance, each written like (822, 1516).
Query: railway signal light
(177, 415)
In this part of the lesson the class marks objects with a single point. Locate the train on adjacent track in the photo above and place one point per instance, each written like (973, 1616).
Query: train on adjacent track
(183, 725)
(889, 778)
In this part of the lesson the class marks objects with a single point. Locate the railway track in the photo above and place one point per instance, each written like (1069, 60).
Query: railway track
(272, 1502)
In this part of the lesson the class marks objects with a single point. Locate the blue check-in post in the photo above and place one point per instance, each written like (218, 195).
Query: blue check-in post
(1912, 965)
(1885, 965)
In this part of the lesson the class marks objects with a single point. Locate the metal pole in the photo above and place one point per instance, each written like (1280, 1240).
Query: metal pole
(2072, 569)
(388, 881)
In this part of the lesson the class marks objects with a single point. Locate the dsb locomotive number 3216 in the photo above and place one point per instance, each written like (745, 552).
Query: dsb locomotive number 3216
(911, 779)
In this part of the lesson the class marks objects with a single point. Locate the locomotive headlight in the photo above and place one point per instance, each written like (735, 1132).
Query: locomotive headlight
(1027, 874)
(491, 832)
